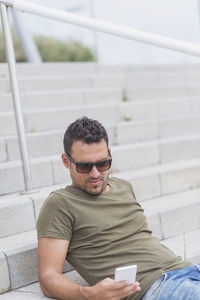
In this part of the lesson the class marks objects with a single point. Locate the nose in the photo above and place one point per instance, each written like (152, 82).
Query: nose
(94, 172)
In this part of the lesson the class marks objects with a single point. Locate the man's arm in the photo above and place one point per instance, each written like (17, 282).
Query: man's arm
(51, 257)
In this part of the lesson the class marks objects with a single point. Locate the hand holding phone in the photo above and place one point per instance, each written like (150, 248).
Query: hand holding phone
(126, 273)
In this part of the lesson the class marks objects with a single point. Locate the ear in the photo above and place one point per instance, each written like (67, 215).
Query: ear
(65, 160)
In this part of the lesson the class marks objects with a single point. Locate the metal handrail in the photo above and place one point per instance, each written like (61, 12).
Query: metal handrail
(105, 27)
(88, 23)
(16, 97)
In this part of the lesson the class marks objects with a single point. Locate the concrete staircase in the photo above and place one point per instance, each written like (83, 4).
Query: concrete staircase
(152, 115)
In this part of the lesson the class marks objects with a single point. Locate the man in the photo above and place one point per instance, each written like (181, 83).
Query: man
(98, 225)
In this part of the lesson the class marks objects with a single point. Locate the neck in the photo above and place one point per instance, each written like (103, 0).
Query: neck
(107, 188)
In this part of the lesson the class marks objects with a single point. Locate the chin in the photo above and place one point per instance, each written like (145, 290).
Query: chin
(95, 191)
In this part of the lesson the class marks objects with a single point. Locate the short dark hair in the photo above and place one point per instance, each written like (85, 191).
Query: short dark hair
(86, 130)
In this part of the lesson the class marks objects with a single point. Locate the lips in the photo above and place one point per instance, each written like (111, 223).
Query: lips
(94, 181)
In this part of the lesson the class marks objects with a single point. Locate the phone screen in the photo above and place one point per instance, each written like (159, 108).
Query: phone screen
(126, 273)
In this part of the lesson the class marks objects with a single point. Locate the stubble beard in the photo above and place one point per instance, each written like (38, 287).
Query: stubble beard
(94, 190)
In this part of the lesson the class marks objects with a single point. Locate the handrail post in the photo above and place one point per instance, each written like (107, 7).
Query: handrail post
(26, 38)
(15, 95)
(92, 15)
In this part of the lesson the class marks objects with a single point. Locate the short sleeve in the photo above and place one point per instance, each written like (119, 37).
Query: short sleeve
(55, 219)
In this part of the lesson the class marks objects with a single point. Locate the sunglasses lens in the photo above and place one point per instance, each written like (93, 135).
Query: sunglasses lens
(103, 165)
(87, 167)
(84, 167)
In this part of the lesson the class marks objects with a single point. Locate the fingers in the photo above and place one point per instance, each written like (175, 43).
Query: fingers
(128, 290)
(123, 288)
(124, 283)
(109, 289)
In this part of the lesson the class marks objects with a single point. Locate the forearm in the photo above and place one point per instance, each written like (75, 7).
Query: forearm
(55, 285)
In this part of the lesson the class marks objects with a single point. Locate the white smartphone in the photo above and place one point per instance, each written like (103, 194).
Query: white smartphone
(126, 273)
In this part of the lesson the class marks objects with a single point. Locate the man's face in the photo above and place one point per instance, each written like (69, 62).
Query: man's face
(94, 182)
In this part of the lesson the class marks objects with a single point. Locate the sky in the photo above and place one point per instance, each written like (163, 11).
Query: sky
(178, 19)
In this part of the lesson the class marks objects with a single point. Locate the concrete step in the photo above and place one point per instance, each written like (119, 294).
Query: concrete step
(62, 98)
(186, 245)
(57, 67)
(180, 72)
(164, 69)
(37, 100)
(33, 291)
(57, 118)
(46, 69)
(18, 251)
(164, 179)
(179, 85)
(108, 114)
(45, 171)
(50, 142)
(176, 214)
(169, 78)
(125, 158)
(164, 74)
(19, 211)
(149, 91)
(63, 68)
(143, 154)
(168, 88)
(27, 84)
(170, 81)
(137, 131)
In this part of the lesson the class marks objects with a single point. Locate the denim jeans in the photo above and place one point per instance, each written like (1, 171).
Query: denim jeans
(183, 284)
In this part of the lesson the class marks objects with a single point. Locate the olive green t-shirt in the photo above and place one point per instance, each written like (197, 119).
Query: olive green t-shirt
(105, 232)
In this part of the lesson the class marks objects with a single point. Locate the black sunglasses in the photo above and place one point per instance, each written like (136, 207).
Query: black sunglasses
(86, 167)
